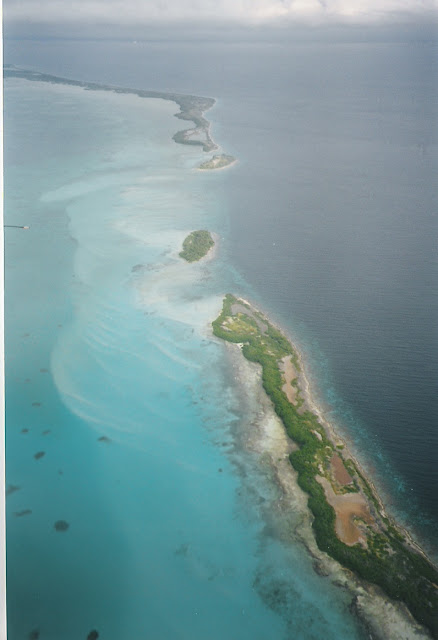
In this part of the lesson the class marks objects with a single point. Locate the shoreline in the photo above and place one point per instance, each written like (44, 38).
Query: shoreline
(328, 425)
(266, 437)
(305, 385)
(378, 536)
(306, 388)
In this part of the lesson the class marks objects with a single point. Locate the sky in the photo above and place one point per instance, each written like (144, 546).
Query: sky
(252, 12)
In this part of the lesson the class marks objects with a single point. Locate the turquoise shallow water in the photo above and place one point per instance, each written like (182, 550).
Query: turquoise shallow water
(122, 416)
(338, 154)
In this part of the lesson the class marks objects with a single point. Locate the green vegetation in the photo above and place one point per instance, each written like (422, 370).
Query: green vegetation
(386, 559)
(217, 162)
(196, 245)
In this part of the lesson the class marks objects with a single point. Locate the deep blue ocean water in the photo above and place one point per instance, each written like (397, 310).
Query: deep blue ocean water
(328, 222)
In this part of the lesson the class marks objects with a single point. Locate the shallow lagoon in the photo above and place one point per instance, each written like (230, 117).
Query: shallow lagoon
(148, 512)
(337, 147)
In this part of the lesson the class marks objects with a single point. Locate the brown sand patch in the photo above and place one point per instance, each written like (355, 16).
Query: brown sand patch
(340, 473)
(290, 373)
(347, 507)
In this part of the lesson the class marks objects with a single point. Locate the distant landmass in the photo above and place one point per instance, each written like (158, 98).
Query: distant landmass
(192, 107)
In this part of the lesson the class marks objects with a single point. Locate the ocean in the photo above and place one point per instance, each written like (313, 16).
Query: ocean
(136, 506)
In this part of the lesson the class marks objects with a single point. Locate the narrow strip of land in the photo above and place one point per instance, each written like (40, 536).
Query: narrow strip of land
(192, 108)
(350, 523)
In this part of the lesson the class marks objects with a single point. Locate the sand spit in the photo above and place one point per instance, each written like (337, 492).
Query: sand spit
(213, 252)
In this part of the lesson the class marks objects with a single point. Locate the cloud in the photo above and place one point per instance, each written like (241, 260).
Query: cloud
(232, 11)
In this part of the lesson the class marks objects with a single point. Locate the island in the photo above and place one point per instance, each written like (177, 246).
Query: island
(196, 245)
(217, 162)
(349, 520)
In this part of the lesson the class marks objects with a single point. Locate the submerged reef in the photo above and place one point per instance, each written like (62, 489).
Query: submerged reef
(61, 525)
(12, 488)
(349, 520)
(24, 512)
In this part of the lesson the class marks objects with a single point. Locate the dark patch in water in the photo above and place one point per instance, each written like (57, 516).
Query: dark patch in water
(220, 470)
(276, 593)
(283, 598)
(320, 569)
(104, 439)
(34, 634)
(36, 404)
(25, 430)
(137, 267)
(59, 326)
(12, 488)
(44, 371)
(61, 525)
(26, 335)
(93, 635)
(39, 455)
(60, 472)
(182, 550)
(356, 611)
(27, 380)
(46, 432)
(25, 512)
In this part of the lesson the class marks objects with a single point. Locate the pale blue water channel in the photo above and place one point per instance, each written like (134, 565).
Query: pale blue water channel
(132, 510)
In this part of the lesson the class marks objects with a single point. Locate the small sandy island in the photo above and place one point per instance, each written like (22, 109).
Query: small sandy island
(217, 162)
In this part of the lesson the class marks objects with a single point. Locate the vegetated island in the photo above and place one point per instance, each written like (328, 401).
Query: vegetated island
(191, 107)
(349, 521)
(217, 162)
(196, 245)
